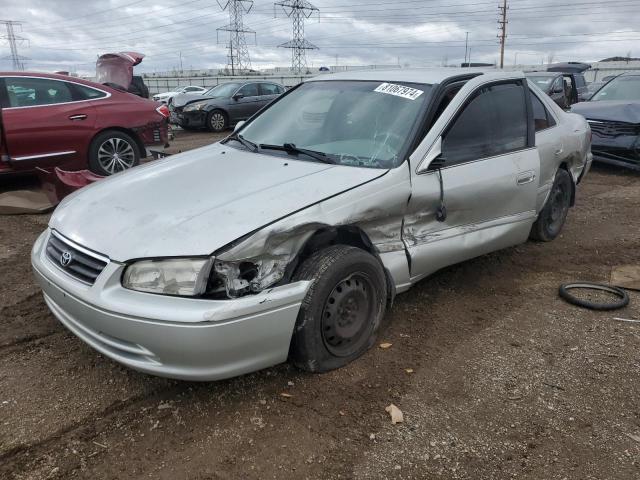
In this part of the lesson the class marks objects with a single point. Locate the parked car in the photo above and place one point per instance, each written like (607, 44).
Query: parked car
(166, 96)
(224, 105)
(290, 238)
(614, 115)
(574, 78)
(53, 120)
(553, 85)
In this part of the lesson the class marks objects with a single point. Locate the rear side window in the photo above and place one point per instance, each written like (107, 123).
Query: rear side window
(250, 90)
(33, 92)
(270, 89)
(493, 123)
(83, 92)
(541, 117)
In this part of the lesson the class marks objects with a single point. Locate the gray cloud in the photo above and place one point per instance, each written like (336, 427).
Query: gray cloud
(69, 34)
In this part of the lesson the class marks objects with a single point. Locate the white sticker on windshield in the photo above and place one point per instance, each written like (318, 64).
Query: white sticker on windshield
(399, 90)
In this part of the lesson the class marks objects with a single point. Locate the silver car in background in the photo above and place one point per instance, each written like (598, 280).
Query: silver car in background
(291, 237)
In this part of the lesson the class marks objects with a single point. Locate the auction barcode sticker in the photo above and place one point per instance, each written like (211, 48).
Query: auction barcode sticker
(399, 90)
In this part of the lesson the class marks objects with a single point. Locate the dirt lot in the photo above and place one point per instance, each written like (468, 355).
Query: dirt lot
(507, 380)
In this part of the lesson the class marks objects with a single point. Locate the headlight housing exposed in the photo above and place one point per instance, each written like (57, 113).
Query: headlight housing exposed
(173, 276)
(194, 106)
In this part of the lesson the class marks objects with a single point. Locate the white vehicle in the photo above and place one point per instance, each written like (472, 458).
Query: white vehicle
(192, 89)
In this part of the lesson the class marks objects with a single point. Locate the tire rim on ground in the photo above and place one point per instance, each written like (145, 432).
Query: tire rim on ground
(621, 301)
(217, 121)
(115, 155)
(347, 315)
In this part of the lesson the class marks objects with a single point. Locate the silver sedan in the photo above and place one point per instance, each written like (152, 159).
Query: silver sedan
(291, 237)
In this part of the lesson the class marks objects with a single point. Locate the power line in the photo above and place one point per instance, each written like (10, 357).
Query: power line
(298, 11)
(13, 39)
(238, 52)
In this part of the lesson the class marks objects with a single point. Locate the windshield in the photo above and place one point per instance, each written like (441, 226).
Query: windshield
(620, 88)
(223, 90)
(541, 81)
(354, 123)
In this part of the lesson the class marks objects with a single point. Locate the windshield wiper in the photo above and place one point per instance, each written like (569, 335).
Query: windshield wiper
(246, 143)
(291, 148)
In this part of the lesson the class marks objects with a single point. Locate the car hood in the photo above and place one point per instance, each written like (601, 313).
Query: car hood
(185, 98)
(197, 202)
(616, 111)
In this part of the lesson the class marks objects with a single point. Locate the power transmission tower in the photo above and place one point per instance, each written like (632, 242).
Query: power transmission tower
(298, 10)
(239, 60)
(13, 39)
(503, 29)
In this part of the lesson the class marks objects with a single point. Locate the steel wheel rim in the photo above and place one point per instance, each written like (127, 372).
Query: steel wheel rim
(217, 121)
(115, 155)
(347, 314)
(559, 206)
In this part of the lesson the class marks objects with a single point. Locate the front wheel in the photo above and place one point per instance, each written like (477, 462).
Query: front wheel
(554, 213)
(342, 311)
(217, 121)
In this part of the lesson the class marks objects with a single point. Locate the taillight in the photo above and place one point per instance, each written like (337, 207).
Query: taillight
(163, 110)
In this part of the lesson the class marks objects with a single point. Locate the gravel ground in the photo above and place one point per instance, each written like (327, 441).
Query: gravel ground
(496, 376)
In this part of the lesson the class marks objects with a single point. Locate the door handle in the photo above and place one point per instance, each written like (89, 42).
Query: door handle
(80, 116)
(526, 177)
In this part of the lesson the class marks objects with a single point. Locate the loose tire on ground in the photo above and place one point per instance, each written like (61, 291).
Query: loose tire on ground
(113, 151)
(554, 213)
(342, 311)
(622, 301)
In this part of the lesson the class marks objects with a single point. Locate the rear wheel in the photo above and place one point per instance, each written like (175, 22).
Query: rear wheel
(554, 213)
(112, 152)
(217, 121)
(342, 311)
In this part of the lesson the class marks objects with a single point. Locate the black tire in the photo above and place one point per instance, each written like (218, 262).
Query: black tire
(108, 143)
(217, 121)
(623, 297)
(342, 311)
(551, 219)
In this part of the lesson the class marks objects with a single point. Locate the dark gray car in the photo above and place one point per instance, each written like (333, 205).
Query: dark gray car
(224, 105)
(553, 85)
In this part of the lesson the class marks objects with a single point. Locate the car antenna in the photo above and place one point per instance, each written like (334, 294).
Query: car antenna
(441, 212)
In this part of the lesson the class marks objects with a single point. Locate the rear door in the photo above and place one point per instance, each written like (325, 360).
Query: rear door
(489, 180)
(269, 92)
(47, 121)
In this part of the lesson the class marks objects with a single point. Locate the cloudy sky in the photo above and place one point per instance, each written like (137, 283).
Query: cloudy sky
(69, 34)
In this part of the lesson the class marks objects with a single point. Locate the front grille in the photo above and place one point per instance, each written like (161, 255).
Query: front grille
(613, 129)
(76, 261)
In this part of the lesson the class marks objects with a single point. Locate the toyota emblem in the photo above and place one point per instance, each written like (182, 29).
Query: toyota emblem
(65, 258)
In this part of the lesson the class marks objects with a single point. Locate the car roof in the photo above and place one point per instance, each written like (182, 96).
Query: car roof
(538, 73)
(415, 75)
(628, 74)
(54, 76)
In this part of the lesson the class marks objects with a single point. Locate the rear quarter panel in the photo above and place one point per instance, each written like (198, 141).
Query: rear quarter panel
(126, 111)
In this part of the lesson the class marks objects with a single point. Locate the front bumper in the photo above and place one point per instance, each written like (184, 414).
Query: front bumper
(622, 150)
(192, 119)
(183, 338)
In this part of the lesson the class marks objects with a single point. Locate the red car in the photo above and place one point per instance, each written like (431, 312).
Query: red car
(49, 120)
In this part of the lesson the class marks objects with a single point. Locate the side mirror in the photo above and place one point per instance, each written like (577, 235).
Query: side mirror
(433, 159)
(238, 125)
(238, 96)
(558, 89)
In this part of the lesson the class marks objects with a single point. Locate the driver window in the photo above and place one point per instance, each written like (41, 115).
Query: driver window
(493, 122)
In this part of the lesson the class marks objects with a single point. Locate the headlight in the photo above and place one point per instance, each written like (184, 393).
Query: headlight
(176, 276)
(237, 278)
(194, 106)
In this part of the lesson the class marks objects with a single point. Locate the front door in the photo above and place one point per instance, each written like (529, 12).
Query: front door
(44, 123)
(489, 179)
(247, 104)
